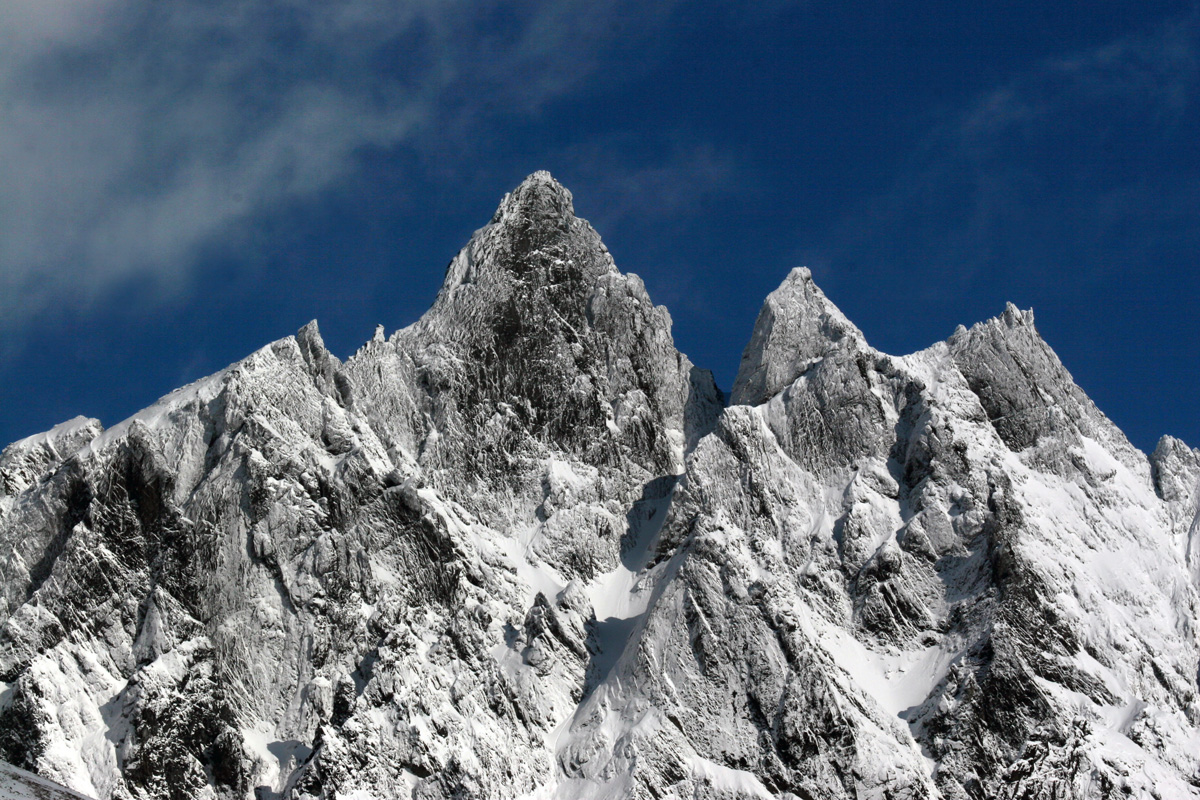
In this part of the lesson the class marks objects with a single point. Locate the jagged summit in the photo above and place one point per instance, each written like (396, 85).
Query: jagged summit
(537, 342)
(539, 197)
(799, 326)
(1029, 394)
(534, 253)
(796, 327)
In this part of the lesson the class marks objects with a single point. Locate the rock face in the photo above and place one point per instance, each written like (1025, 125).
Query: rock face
(521, 548)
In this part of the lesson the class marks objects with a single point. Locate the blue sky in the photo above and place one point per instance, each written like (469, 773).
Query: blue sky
(186, 181)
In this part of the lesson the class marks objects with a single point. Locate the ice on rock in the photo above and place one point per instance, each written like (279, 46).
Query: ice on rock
(520, 548)
(796, 328)
(24, 462)
(1176, 470)
(17, 784)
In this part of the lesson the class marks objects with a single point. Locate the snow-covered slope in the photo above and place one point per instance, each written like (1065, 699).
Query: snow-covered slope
(17, 784)
(520, 548)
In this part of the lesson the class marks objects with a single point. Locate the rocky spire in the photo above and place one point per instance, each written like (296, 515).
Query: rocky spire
(796, 327)
(533, 238)
(1030, 397)
(538, 198)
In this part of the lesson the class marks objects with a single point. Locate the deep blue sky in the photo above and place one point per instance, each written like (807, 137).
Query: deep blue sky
(188, 181)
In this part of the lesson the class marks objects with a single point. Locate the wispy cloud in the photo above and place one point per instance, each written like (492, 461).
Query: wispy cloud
(136, 133)
(624, 183)
(1079, 163)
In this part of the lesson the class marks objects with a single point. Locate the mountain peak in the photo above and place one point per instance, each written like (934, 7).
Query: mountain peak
(538, 197)
(533, 238)
(797, 326)
(535, 322)
(1014, 316)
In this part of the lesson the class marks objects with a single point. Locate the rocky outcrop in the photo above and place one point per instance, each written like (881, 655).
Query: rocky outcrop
(1176, 471)
(520, 548)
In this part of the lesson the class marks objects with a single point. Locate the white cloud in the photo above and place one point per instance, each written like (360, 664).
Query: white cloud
(623, 185)
(134, 133)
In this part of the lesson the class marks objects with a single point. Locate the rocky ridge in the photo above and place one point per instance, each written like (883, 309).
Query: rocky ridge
(523, 548)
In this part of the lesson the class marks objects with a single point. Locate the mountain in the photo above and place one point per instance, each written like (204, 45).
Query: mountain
(524, 548)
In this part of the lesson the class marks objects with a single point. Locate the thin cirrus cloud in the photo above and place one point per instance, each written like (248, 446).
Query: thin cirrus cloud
(680, 177)
(136, 133)
(1080, 164)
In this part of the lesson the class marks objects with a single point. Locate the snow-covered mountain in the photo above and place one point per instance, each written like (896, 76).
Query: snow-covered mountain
(524, 548)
